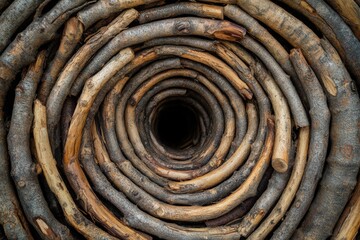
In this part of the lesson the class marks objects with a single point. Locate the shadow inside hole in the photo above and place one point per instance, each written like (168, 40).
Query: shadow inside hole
(176, 125)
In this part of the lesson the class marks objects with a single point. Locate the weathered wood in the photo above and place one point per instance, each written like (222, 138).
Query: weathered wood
(72, 167)
(54, 179)
(194, 213)
(137, 218)
(349, 222)
(334, 29)
(350, 12)
(222, 148)
(177, 9)
(161, 119)
(328, 203)
(71, 36)
(13, 17)
(320, 121)
(288, 194)
(177, 26)
(73, 67)
(23, 168)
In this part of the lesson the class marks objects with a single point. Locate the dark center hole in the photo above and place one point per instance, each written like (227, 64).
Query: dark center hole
(176, 125)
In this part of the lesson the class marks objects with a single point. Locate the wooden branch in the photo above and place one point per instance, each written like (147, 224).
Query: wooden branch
(280, 157)
(320, 121)
(177, 26)
(13, 17)
(266, 201)
(204, 197)
(139, 219)
(350, 12)
(272, 45)
(55, 181)
(177, 9)
(336, 31)
(194, 213)
(161, 119)
(225, 170)
(341, 95)
(78, 61)
(23, 169)
(288, 194)
(222, 147)
(105, 8)
(12, 218)
(282, 80)
(71, 36)
(349, 223)
(72, 167)
(23, 49)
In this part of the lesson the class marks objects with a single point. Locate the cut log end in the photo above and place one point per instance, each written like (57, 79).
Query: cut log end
(280, 165)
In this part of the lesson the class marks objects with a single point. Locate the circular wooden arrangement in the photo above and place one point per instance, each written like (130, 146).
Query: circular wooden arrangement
(149, 119)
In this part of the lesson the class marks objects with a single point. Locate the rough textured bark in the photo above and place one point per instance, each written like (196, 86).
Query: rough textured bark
(23, 168)
(349, 222)
(341, 96)
(162, 28)
(13, 17)
(320, 121)
(272, 45)
(71, 36)
(336, 31)
(194, 213)
(350, 12)
(266, 201)
(188, 8)
(161, 119)
(61, 88)
(196, 198)
(105, 8)
(288, 194)
(23, 49)
(54, 179)
(350, 46)
(137, 218)
(12, 218)
(72, 167)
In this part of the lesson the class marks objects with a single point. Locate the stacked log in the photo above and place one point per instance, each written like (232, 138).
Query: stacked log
(213, 119)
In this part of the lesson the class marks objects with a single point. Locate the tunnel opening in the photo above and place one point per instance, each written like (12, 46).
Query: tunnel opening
(176, 125)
